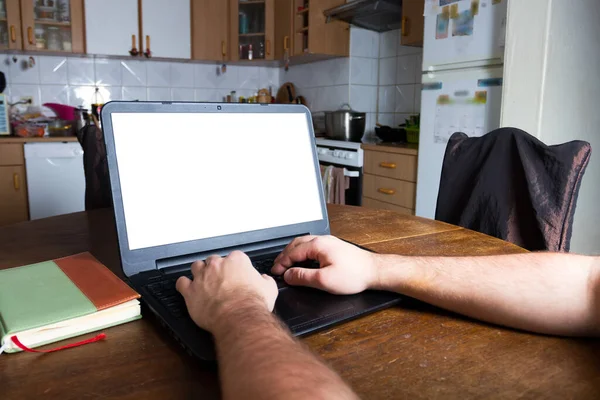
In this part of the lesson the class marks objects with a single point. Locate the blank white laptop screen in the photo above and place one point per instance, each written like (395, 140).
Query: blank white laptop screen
(193, 176)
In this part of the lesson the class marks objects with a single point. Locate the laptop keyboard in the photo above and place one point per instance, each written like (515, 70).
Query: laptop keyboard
(164, 290)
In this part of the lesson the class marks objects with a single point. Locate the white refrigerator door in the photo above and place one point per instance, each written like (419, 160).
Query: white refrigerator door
(457, 38)
(452, 101)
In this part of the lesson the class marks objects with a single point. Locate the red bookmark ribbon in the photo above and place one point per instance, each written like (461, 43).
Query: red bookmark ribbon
(68, 346)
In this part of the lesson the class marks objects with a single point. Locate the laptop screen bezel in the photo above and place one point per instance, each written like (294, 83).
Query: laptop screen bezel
(140, 260)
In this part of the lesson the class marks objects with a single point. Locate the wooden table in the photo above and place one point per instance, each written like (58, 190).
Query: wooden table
(411, 351)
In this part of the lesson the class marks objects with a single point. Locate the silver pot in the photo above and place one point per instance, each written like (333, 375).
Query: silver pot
(345, 125)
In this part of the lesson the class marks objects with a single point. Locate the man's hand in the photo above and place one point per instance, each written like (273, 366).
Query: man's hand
(345, 269)
(221, 285)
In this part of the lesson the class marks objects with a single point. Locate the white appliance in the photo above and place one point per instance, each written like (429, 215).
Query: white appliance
(461, 85)
(347, 155)
(55, 178)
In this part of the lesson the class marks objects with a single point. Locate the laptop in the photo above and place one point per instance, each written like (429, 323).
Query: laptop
(189, 180)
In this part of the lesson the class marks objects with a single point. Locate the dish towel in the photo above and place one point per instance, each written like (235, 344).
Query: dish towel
(335, 184)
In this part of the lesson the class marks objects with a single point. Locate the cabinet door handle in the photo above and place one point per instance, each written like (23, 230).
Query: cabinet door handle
(16, 181)
(30, 35)
(13, 35)
(286, 44)
(386, 191)
(389, 165)
(268, 47)
(403, 29)
(223, 49)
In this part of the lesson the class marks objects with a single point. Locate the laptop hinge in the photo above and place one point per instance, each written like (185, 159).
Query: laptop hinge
(183, 262)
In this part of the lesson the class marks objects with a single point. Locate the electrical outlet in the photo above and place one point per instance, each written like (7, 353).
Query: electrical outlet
(26, 99)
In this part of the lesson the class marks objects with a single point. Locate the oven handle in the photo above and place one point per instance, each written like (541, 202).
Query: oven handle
(351, 174)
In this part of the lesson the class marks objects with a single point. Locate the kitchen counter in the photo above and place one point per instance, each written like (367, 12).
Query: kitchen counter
(398, 148)
(16, 139)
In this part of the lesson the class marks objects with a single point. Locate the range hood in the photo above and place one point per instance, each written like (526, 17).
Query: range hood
(374, 15)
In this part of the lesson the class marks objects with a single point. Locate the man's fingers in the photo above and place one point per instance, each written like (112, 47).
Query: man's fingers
(197, 266)
(182, 285)
(304, 277)
(294, 243)
(303, 251)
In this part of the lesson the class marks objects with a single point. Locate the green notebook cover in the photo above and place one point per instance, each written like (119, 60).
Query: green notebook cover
(36, 295)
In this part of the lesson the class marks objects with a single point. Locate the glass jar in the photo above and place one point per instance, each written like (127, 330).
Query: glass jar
(40, 38)
(54, 39)
(66, 40)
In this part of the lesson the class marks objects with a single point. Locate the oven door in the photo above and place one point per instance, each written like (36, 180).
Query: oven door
(355, 174)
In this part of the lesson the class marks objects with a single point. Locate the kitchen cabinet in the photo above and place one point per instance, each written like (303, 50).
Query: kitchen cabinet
(166, 28)
(10, 25)
(13, 188)
(314, 35)
(252, 29)
(284, 16)
(210, 30)
(390, 178)
(413, 23)
(53, 25)
(111, 27)
(114, 27)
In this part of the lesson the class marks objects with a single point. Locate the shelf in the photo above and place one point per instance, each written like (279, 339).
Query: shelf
(302, 11)
(252, 2)
(251, 34)
(302, 30)
(3, 19)
(53, 23)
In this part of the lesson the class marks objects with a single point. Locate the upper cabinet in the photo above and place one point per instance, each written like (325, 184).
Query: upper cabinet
(117, 37)
(210, 30)
(252, 29)
(166, 28)
(313, 34)
(52, 25)
(412, 23)
(113, 28)
(284, 15)
(10, 25)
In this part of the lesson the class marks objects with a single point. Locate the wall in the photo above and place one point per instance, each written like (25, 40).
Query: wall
(399, 90)
(551, 90)
(327, 85)
(71, 80)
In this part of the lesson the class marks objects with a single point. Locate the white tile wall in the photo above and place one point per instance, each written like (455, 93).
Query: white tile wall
(72, 80)
(399, 92)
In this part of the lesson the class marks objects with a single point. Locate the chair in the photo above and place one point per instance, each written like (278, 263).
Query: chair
(510, 185)
(97, 183)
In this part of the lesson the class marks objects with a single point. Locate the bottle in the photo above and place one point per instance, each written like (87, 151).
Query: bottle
(261, 50)
(250, 52)
(233, 97)
(243, 23)
(97, 103)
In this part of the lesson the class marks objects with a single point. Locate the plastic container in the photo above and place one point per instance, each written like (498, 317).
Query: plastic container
(412, 135)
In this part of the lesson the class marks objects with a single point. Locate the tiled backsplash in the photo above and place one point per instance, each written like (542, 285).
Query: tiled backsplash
(327, 85)
(72, 80)
(399, 93)
(380, 78)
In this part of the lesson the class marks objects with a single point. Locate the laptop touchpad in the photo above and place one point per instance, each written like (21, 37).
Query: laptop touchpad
(299, 305)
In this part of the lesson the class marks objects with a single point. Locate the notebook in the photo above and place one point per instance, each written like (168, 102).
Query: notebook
(58, 299)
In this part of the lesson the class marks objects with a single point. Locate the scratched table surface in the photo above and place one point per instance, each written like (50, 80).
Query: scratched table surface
(410, 351)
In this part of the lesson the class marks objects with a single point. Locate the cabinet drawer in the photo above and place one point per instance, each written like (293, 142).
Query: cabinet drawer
(393, 191)
(13, 195)
(397, 166)
(11, 154)
(380, 205)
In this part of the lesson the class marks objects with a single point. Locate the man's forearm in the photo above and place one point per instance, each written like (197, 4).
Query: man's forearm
(543, 292)
(259, 359)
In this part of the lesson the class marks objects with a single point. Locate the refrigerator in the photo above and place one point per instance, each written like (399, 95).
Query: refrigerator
(463, 49)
